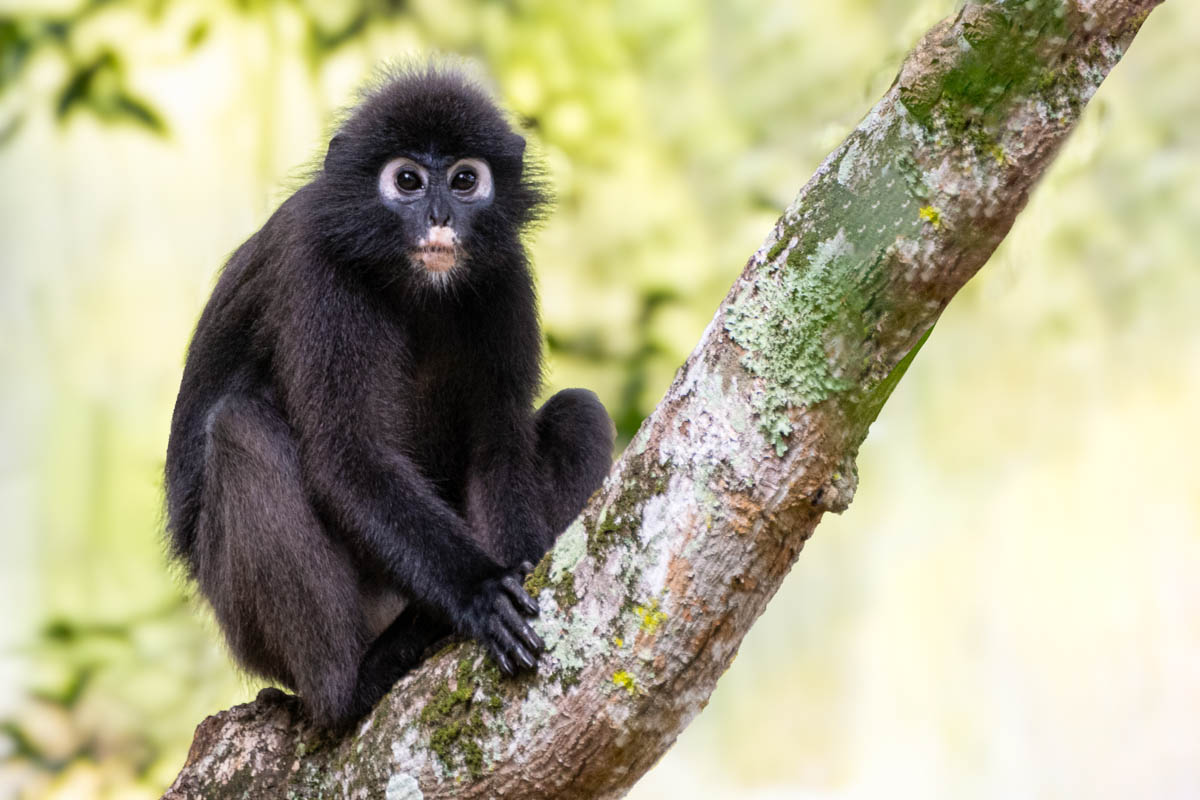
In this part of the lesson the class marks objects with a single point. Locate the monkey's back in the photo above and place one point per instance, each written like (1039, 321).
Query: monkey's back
(221, 358)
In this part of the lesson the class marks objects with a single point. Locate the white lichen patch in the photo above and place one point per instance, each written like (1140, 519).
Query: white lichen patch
(573, 639)
(640, 442)
(410, 753)
(569, 550)
(221, 763)
(830, 249)
(539, 707)
(656, 542)
(403, 786)
(721, 432)
(846, 167)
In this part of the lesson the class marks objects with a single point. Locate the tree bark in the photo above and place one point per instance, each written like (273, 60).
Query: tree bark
(647, 595)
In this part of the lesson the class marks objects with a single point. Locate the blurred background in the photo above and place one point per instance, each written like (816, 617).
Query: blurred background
(1011, 607)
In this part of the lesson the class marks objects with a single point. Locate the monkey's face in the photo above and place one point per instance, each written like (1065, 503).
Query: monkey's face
(425, 186)
(437, 200)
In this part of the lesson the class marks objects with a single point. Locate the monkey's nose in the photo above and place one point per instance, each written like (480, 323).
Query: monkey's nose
(439, 218)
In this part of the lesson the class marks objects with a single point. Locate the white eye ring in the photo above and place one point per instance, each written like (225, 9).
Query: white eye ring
(388, 188)
(482, 189)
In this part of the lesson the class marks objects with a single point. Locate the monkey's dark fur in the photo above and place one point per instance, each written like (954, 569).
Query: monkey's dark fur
(354, 468)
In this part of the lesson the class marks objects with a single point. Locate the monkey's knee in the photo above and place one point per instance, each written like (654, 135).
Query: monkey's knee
(575, 442)
(576, 416)
(285, 594)
(244, 433)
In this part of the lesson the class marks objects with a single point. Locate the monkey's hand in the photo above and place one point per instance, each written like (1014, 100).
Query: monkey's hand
(493, 618)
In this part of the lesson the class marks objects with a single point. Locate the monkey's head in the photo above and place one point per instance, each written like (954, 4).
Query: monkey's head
(426, 180)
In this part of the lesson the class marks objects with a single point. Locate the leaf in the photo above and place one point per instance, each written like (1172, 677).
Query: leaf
(69, 695)
(140, 112)
(79, 88)
(15, 47)
(198, 34)
(100, 88)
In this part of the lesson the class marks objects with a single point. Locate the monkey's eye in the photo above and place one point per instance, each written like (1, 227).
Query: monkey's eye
(470, 179)
(463, 180)
(403, 180)
(408, 180)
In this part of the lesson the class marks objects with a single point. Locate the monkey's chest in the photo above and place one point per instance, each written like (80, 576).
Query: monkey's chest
(439, 425)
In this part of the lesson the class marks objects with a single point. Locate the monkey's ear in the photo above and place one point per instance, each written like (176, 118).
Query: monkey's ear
(517, 144)
(335, 144)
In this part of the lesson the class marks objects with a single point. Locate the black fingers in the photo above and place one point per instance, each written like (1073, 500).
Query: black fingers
(515, 649)
(502, 661)
(506, 647)
(502, 627)
(518, 626)
(514, 588)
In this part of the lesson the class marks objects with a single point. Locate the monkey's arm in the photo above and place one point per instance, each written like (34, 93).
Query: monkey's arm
(332, 380)
(392, 516)
(503, 495)
(504, 499)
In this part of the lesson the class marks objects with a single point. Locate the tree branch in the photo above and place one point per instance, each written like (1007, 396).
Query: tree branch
(647, 595)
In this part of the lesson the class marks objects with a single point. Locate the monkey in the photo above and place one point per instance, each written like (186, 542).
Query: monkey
(354, 469)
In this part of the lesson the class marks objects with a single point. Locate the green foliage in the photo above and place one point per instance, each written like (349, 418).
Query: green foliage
(637, 365)
(96, 82)
(68, 719)
(98, 87)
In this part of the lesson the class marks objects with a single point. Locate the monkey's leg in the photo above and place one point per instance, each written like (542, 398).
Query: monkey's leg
(400, 648)
(575, 442)
(286, 595)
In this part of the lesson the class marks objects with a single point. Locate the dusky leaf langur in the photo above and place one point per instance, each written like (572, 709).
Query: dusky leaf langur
(355, 469)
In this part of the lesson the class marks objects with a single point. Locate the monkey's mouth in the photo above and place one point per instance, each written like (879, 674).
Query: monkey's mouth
(438, 251)
(436, 257)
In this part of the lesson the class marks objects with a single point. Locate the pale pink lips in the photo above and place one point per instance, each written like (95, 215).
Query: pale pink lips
(436, 258)
(437, 252)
